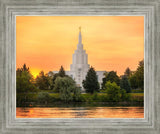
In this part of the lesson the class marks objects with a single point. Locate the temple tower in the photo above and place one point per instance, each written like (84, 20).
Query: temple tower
(79, 66)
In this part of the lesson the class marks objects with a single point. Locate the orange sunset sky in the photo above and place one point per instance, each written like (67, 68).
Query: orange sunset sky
(111, 42)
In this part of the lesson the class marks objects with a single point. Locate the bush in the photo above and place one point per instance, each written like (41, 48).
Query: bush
(95, 96)
(54, 97)
(87, 97)
(125, 96)
(77, 94)
(43, 97)
(113, 91)
(137, 97)
(25, 99)
(103, 98)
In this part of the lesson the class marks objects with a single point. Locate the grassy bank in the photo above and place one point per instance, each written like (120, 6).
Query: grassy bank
(50, 98)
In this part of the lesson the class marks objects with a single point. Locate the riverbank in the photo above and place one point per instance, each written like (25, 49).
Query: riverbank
(98, 99)
(84, 104)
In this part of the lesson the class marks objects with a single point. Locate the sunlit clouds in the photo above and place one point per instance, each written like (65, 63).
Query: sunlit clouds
(111, 42)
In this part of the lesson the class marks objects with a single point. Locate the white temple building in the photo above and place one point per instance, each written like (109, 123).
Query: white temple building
(80, 66)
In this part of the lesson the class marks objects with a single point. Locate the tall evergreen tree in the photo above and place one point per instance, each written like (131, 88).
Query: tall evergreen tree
(25, 68)
(133, 81)
(137, 78)
(61, 72)
(127, 72)
(124, 84)
(140, 74)
(91, 81)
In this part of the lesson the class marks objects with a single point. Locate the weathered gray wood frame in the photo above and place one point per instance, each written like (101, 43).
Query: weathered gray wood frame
(9, 9)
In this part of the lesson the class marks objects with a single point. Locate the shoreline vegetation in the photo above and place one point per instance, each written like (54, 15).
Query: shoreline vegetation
(54, 101)
(61, 90)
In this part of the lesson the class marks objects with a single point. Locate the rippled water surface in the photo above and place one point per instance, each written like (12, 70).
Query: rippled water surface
(80, 112)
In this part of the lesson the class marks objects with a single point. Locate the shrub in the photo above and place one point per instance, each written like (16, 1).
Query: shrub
(43, 97)
(113, 91)
(77, 94)
(125, 96)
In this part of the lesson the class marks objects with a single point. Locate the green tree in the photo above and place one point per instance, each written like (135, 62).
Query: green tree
(91, 81)
(54, 78)
(137, 78)
(133, 81)
(50, 76)
(61, 72)
(112, 77)
(60, 81)
(58, 84)
(43, 81)
(124, 84)
(24, 84)
(25, 68)
(140, 74)
(65, 87)
(113, 91)
(127, 72)
(104, 80)
(24, 80)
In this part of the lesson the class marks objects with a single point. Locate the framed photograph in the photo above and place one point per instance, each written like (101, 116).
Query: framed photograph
(80, 67)
(81, 90)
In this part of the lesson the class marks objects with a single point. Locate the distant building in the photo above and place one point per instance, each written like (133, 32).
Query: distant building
(80, 66)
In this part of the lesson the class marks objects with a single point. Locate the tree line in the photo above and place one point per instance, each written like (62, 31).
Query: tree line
(116, 87)
(131, 80)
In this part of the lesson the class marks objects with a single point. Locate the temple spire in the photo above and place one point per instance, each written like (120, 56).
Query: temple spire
(79, 29)
(80, 36)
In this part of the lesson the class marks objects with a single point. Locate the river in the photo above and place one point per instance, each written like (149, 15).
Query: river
(80, 112)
